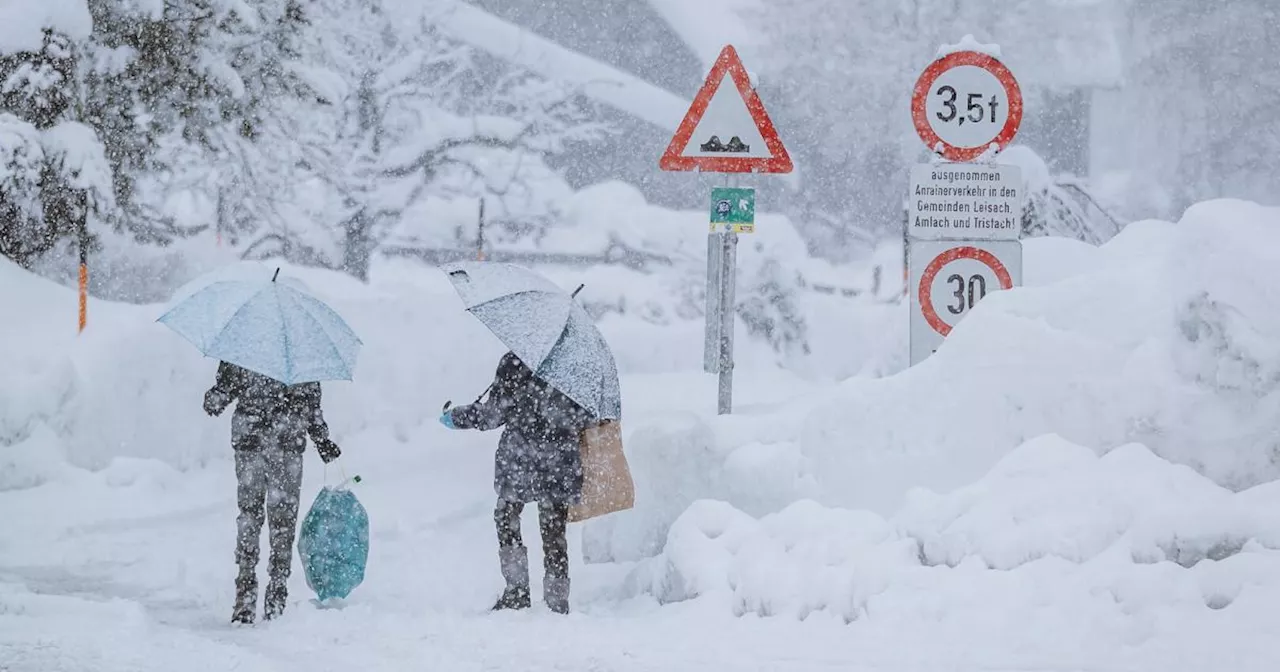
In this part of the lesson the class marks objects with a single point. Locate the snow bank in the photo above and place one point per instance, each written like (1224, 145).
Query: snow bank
(1163, 336)
(128, 387)
(1129, 542)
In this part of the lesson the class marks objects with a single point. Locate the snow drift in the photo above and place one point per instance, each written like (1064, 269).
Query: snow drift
(1165, 336)
(1056, 551)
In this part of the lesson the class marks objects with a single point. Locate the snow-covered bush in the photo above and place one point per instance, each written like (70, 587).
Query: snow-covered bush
(769, 307)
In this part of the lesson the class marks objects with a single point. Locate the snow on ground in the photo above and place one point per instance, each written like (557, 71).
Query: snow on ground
(1081, 478)
(1056, 555)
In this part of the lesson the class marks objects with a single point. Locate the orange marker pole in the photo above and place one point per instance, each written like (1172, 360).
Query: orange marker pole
(84, 286)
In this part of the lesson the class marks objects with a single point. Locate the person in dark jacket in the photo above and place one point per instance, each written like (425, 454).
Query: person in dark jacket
(269, 435)
(538, 460)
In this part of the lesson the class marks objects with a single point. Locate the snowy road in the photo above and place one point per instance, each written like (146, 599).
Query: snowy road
(150, 590)
(131, 569)
(142, 581)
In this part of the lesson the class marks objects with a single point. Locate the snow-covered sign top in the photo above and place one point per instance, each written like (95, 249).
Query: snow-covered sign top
(968, 43)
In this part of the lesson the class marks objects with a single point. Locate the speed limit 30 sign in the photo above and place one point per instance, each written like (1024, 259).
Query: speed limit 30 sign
(949, 278)
(965, 103)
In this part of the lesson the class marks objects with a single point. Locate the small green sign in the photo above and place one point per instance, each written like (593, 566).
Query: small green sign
(733, 209)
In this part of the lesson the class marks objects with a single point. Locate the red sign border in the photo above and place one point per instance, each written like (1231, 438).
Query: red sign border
(919, 96)
(931, 271)
(727, 63)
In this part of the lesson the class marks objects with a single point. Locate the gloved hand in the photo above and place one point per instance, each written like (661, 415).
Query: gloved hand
(446, 419)
(213, 405)
(328, 450)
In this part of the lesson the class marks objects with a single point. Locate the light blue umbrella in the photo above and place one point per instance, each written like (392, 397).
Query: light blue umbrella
(546, 328)
(271, 326)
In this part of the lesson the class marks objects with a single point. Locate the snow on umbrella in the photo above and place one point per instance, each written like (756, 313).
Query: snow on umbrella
(546, 328)
(268, 325)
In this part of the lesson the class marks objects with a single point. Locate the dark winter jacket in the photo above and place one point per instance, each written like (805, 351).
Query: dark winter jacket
(538, 456)
(269, 410)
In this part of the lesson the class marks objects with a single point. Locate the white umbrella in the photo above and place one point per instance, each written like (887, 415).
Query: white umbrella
(270, 325)
(546, 328)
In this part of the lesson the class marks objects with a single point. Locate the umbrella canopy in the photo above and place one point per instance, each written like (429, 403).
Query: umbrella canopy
(546, 328)
(269, 325)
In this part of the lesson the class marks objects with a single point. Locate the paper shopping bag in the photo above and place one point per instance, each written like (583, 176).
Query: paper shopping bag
(606, 479)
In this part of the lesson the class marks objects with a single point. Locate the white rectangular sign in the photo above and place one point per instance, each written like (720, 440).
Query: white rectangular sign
(948, 278)
(965, 201)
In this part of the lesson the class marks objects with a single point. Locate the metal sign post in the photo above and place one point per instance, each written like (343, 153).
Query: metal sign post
(711, 338)
(726, 134)
(733, 211)
(728, 285)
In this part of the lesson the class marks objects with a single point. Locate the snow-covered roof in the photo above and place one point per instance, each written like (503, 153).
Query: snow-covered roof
(23, 22)
(707, 25)
(597, 80)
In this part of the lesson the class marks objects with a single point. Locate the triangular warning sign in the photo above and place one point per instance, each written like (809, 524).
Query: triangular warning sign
(726, 129)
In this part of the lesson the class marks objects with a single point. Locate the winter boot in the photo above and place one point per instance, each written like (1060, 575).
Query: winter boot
(555, 592)
(246, 597)
(276, 595)
(515, 569)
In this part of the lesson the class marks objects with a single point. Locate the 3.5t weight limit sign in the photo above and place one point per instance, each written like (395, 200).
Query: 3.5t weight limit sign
(964, 103)
(948, 280)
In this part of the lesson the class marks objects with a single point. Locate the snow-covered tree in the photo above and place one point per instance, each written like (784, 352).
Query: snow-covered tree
(55, 175)
(406, 115)
(184, 92)
(22, 232)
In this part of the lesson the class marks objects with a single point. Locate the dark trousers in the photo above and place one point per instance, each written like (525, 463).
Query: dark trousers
(553, 518)
(269, 480)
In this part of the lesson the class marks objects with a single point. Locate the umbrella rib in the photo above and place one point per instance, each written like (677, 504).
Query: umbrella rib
(511, 294)
(307, 302)
(284, 334)
(233, 317)
(178, 304)
(320, 326)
